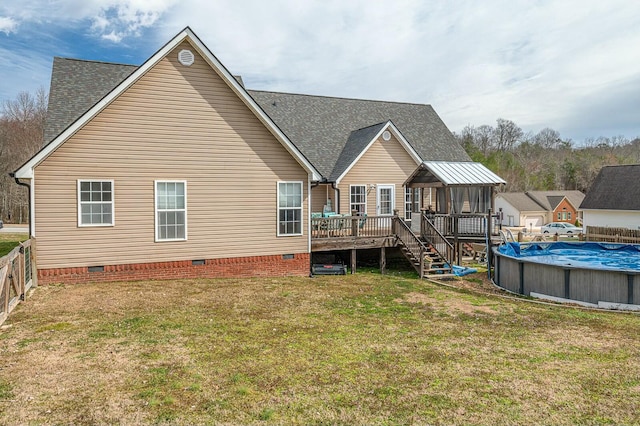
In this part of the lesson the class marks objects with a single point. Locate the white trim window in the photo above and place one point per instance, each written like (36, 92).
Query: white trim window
(171, 210)
(358, 199)
(289, 208)
(95, 203)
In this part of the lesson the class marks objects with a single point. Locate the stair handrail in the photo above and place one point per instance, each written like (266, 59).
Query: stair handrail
(438, 238)
(410, 240)
(412, 236)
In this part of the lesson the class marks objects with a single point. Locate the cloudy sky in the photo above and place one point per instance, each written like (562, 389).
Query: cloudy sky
(572, 65)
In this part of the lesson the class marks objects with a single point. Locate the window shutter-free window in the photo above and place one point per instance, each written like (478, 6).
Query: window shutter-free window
(171, 210)
(95, 203)
(289, 208)
(358, 199)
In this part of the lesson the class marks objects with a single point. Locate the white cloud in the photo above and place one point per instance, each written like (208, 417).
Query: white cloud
(113, 20)
(540, 64)
(7, 25)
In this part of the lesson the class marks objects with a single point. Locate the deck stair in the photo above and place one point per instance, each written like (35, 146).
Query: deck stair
(425, 258)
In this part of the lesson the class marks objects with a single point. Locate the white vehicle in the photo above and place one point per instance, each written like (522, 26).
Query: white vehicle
(560, 228)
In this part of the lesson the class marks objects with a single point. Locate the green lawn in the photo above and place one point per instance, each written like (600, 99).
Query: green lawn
(361, 349)
(9, 241)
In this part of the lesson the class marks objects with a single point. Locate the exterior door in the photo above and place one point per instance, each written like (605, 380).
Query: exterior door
(385, 200)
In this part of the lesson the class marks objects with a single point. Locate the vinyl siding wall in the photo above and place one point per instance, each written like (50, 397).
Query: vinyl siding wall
(175, 123)
(629, 219)
(319, 196)
(385, 162)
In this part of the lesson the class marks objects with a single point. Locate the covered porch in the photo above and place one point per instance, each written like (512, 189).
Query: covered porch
(464, 202)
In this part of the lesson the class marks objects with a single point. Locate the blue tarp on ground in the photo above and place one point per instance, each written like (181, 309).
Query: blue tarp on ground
(461, 271)
(609, 256)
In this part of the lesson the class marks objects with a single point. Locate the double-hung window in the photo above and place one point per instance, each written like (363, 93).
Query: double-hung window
(358, 199)
(95, 203)
(289, 208)
(171, 210)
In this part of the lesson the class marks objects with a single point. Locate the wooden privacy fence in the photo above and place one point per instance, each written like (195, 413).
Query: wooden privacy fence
(17, 276)
(615, 235)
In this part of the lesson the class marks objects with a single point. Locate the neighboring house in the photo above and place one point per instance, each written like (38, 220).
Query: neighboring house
(614, 198)
(533, 209)
(174, 169)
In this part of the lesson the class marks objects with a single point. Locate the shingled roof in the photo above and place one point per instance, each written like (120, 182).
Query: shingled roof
(357, 141)
(76, 85)
(322, 128)
(521, 201)
(550, 199)
(615, 188)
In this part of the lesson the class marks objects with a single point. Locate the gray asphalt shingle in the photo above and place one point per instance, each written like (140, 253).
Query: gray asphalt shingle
(327, 130)
(615, 188)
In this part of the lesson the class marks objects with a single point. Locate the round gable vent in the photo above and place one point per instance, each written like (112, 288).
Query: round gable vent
(186, 57)
(386, 135)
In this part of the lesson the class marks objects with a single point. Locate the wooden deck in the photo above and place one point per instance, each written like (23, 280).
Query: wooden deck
(355, 232)
(351, 232)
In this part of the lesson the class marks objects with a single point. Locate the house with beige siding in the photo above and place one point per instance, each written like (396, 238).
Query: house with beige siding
(174, 169)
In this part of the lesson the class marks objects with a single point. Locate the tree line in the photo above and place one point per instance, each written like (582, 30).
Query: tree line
(544, 160)
(21, 135)
(527, 161)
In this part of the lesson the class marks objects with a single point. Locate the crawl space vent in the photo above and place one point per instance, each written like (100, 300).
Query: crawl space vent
(386, 135)
(186, 58)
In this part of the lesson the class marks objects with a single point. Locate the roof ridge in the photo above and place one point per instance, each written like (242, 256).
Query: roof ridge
(340, 97)
(372, 125)
(95, 61)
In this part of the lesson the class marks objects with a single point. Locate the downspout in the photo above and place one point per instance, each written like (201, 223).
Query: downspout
(333, 185)
(13, 175)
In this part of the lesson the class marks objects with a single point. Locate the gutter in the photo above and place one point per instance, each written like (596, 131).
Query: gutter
(13, 175)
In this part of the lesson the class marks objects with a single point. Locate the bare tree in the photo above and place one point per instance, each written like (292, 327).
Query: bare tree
(548, 138)
(507, 134)
(21, 136)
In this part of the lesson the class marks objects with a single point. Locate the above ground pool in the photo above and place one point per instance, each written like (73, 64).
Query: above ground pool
(589, 273)
(610, 256)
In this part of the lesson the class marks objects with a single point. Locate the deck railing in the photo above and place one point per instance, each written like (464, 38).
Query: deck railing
(463, 225)
(432, 234)
(16, 277)
(351, 226)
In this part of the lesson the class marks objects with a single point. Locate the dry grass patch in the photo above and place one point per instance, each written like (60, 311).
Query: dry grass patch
(362, 349)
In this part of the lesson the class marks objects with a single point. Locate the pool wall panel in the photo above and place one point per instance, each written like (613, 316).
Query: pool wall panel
(593, 286)
(509, 274)
(545, 279)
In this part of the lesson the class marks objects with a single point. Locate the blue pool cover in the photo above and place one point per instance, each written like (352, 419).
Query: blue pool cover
(591, 255)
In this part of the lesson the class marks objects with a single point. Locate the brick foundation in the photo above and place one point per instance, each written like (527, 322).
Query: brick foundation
(237, 267)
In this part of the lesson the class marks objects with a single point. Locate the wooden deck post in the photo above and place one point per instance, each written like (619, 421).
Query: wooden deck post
(383, 260)
(353, 261)
(422, 254)
(354, 223)
(456, 241)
